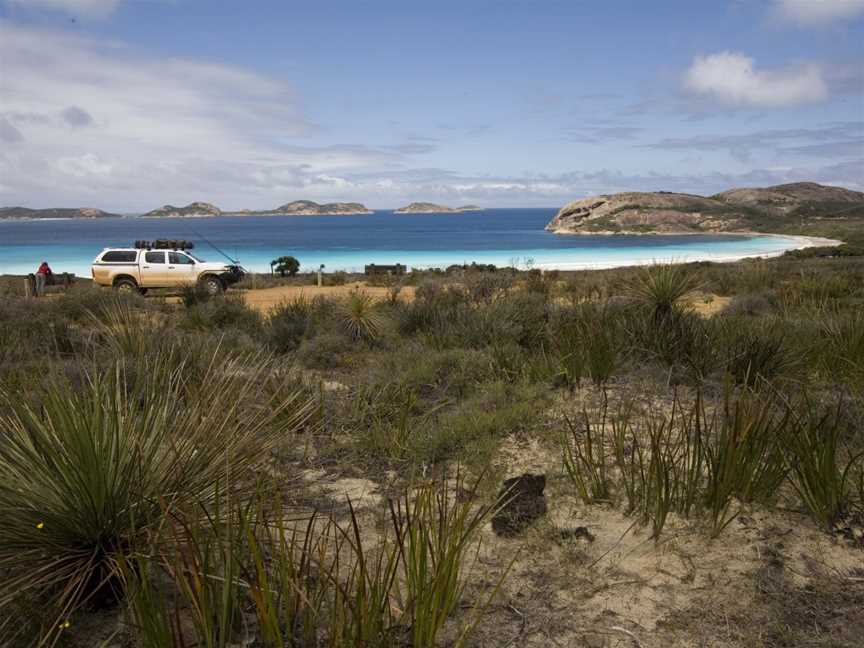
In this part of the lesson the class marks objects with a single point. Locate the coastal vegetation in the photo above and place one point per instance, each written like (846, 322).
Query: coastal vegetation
(285, 265)
(194, 471)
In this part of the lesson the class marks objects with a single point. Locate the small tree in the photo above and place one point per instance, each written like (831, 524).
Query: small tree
(285, 264)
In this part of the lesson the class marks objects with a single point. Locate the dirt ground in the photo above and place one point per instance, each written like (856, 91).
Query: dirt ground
(708, 304)
(770, 579)
(264, 299)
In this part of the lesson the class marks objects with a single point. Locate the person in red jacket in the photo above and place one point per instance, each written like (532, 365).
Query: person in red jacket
(43, 276)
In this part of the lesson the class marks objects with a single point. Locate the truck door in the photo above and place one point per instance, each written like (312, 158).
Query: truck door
(181, 269)
(154, 270)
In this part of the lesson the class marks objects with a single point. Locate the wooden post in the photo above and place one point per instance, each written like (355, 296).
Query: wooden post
(30, 286)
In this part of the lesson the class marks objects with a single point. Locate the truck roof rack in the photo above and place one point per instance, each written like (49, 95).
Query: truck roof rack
(164, 244)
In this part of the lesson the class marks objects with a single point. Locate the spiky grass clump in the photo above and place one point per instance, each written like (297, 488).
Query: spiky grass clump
(819, 472)
(360, 316)
(663, 287)
(87, 472)
(125, 328)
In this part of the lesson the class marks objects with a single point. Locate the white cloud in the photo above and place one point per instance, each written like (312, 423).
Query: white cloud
(818, 12)
(731, 78)
(88, 122)
(83, 8)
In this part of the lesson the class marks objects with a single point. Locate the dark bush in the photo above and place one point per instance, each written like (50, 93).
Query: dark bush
(325, 351)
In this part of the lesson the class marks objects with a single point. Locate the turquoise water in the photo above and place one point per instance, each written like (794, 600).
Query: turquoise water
(499, 236)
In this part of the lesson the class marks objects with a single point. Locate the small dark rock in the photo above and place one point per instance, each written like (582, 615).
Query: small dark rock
(523, 501)
(577, 534)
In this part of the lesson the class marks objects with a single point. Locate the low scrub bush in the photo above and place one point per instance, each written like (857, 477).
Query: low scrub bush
(30, 329)
(326, 351)
(759, 350)
(754, 304)
(289, 323)
(588, 341)
(221, 313)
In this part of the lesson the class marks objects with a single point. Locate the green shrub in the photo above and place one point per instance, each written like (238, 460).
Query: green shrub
(221, 313)
(289, 323)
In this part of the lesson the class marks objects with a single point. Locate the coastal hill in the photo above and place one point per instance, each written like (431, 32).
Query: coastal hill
(310, 208)
(737, 210)
(192, 210)
(432, 208)
(15, 213)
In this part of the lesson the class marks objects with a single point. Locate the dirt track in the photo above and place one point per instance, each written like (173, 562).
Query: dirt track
(264, 299)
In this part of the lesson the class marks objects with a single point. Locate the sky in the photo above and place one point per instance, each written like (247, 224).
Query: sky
(127, 105)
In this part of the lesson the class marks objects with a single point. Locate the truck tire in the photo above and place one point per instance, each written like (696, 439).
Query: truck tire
(212, 285)
(126, 286)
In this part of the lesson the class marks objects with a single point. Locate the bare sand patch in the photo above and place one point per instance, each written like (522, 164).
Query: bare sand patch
(709, 304)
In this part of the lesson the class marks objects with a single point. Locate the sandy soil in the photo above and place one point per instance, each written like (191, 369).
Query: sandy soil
(264, 299)
(708, 304)
(772, 578)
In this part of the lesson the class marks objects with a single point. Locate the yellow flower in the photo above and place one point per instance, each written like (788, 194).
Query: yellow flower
(40, 525)
(65, 624)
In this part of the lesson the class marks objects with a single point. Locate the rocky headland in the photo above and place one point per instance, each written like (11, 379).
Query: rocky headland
(735, 210)
(25, 213)
(432, 208)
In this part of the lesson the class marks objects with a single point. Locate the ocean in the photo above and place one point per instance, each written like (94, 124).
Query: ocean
(503, 237)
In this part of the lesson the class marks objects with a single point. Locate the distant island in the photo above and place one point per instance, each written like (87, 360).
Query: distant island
(192, 210)
(310, 208)
(432, 208)
(769, 209)
(296, 208)
(25, 213)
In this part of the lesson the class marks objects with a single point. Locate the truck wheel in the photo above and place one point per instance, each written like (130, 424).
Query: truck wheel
(126, 286)
(212, 285)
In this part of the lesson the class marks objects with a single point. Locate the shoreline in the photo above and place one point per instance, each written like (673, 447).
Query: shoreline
(804, 241)
(555, 259)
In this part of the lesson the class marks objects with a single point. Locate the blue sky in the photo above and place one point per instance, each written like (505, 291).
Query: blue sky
(129, 104)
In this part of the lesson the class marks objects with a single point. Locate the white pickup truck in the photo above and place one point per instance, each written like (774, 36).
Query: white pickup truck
(156, 266)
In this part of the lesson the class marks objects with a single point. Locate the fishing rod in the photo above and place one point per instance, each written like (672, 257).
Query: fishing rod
(213, 245)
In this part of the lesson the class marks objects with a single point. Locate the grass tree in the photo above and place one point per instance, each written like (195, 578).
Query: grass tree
(87, 471)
